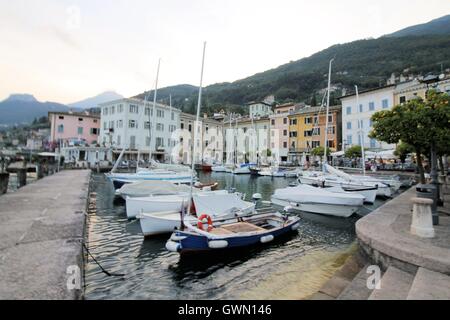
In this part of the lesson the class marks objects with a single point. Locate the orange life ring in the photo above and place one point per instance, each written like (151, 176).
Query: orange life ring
(201, 221)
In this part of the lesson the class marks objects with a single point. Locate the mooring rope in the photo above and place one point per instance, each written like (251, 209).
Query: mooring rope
(109, 274)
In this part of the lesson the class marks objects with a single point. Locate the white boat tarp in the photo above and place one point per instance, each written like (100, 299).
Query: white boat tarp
(308, 194)
(153, 188)
(220, 204)
(337, 172)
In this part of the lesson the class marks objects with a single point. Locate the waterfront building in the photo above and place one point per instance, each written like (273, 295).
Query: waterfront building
(85, 156)
(248, 140)
(307, 131)
(406, 91)
(128, 123)
(358, 117)
(82, 126)
(279, 131)
(209, 143)
(261, 108)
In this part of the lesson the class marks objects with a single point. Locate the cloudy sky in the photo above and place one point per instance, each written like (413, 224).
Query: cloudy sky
(65, 51)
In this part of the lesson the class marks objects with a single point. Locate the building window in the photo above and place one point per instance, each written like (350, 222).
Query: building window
(132, 142)
(105, 111)
(285, 144)
(61, 128)
(371, 106)
(293, 134)
(190, 128)
(113, 109)
(308, 120)
(160, 127)
(95, 121)
(119, 123)
(285, 120)
(331, 144)
(94, 131)
(349, 110)
(402, 99)
(293, 122)
(132, 124)
(273, 122)
(80, 130)
(349, 139)
(182, 126)
(120, 108)
(285, 133)
(370, 122)
(361, 108)
(307, 133)
(330, 118)
(61, 117)
(118, 140)
(315, 144)
(349, 125)
(332, 130)
(160, 113)
(159, 142)
(147, 125)
(172, 116)
(316, 131)
(148, 111)
(385, 103)
(360, 124)
(147, 141)
(105, 127)
(134, 108)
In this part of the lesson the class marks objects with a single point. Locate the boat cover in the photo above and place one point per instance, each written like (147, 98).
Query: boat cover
(220, 204)
(147, 188)
(308, 194)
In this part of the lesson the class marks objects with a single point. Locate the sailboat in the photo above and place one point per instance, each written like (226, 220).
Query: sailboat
(204, 234)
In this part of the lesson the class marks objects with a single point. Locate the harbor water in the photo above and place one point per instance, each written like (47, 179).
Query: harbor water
(294, 267)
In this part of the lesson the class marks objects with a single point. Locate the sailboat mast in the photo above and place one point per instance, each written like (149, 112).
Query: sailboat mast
(361, 133)
(197, 123)
(326, 117)
(153, 125)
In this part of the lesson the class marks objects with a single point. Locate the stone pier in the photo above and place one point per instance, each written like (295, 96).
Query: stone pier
(42, 228)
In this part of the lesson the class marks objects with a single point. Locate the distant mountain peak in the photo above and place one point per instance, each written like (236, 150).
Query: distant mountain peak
(93, 102)
(24, 97)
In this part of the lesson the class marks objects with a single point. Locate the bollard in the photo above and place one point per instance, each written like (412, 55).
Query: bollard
(422, 221)
(4, 180)
(39, 171)
(428, 191)
(21, 178)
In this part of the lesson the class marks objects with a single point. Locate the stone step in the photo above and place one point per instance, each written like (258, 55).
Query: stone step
(430, 285)
(357, 289)
(395, 285)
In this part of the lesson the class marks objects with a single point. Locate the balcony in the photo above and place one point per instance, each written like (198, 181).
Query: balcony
(299, 150)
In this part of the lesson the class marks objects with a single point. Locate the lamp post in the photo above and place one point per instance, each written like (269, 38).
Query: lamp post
(433, 172)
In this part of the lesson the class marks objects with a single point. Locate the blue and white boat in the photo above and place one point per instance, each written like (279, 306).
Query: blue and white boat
(238, 232)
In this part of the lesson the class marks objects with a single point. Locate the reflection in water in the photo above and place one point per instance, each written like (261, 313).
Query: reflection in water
(291, 267)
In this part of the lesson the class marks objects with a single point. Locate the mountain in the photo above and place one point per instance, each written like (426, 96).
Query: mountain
(440, 26)
(366, 63)
(24, 108)
(93, 102)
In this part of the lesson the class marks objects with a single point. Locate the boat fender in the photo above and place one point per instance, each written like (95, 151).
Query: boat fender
(256, 196)
(173, 246)
(267, 238)
(217, 244)
(295, 226)
(175, 237)
(203, 219)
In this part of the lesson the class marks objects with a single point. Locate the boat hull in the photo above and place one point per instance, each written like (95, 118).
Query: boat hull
(343, 211)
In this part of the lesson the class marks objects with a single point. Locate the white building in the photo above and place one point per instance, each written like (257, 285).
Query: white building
(127, 123)
(358, 117)
(261, 108)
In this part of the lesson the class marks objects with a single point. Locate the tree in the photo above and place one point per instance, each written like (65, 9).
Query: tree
(418, 123)
(402, 151)
(319, 152)
(353, 152)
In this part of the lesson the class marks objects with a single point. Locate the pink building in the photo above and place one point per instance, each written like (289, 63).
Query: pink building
(279, 127)
(70, 127)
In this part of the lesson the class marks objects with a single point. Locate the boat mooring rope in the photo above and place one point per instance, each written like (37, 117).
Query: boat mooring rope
(109, 274)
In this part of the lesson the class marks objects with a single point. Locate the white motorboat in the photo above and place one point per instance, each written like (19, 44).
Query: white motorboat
(158, 203)
(318, 200)
(223, 206)
(151, 188)
(219, 168)
(119, 179)
(242, 169)
(368, 191)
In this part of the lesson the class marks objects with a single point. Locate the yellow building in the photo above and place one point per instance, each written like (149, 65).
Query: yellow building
(307, 131)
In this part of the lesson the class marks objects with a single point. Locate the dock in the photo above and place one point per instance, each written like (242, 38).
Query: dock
(411, 267)
(42, 228)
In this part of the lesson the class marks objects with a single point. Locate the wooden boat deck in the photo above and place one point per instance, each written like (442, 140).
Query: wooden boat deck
(236, 228)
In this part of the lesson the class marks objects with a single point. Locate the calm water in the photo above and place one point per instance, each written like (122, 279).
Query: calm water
(294, 267)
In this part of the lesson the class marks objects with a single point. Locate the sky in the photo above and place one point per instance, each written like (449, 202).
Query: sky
(65, 51)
